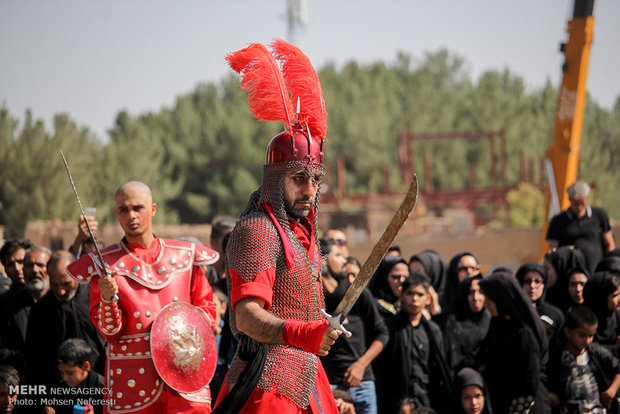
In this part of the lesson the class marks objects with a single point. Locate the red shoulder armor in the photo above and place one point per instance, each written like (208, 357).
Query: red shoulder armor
(174, 257)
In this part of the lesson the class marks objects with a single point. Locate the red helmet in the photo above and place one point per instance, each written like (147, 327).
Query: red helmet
(273, 90)
(299, 146)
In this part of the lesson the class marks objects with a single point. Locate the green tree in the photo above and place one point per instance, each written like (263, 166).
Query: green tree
(34, 183)
(203, 156)
(526, 206)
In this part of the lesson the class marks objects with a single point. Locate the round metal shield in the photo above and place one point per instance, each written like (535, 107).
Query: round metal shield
(183, 347)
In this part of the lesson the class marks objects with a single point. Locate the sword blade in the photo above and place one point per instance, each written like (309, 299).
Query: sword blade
(90, 231)
(379, 251)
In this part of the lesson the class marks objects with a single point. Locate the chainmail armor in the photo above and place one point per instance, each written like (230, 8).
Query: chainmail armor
(254, 247)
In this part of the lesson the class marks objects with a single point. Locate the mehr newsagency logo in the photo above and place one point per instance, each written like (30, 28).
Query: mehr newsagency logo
(34, 395)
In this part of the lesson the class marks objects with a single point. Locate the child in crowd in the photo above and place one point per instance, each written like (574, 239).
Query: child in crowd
(344, 402)
(8, 378)
(470, 393)
(406, 406)
(413, 363)
(584, 376)
(74, 364)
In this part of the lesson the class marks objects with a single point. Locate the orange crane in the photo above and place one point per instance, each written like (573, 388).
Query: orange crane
(563, 155)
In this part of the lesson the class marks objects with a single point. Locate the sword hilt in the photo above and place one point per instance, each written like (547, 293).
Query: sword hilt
(105, 273)
(334, 322)
(90, 231)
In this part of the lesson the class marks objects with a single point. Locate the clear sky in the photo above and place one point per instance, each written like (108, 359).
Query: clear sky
(93, 58)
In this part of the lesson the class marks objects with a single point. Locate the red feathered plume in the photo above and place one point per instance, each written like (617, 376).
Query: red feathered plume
(304, 84)
(262, 79)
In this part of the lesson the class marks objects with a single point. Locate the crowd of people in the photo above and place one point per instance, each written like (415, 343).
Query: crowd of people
(540, 338)
(544, 337)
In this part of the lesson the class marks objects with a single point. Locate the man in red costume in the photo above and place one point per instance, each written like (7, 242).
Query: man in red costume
(148, 273)
(273, 265)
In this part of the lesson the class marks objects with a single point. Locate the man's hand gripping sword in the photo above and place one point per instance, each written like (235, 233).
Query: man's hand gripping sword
(369, 267)
(90, 232)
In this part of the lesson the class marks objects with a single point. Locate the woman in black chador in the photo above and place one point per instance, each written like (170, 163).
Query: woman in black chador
(514, 354)
(470, 393)
(385, 284)
(466, 327)
(602, 295)
(430, 263)
(461, 266)
(559, 263)
(533, 279)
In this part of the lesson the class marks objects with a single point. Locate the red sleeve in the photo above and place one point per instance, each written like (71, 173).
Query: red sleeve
(253, 251)
(107, 316)
(202, 294)
(259, 287)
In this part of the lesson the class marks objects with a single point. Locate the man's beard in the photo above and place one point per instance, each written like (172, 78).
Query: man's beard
(339, 276)
(37, 285)
(67, 297)
(297, 213)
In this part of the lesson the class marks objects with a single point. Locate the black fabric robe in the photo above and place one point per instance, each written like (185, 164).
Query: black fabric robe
(15, 307)
(53, 321)
(435, 267)
(463, 331)
(393, 367)
(366, 325)
(595, 293)
(514, 353)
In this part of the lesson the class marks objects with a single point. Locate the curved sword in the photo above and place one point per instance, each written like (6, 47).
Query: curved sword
(377, 254)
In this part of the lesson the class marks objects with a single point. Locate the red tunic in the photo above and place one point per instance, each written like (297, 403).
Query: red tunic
(261, 401)
(148, 279)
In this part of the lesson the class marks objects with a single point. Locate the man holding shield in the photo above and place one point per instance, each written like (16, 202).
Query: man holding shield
(150, 282)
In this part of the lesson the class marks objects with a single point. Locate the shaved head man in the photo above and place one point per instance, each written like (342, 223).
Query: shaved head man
(147, 274)
(135, 211)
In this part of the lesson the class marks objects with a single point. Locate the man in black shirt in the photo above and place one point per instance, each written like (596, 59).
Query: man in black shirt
(348, 363)
(15, 306)
(583, 226)
(413, 363)
(61, 314)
